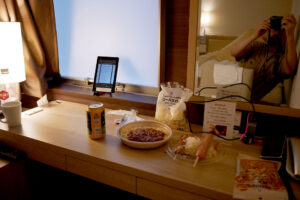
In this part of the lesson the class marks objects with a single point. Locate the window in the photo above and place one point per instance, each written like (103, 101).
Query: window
(116, 28)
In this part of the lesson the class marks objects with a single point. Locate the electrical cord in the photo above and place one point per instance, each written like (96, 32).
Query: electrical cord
(204, 88)
(212, 100)
(247, 124)
(226, 97)
(227, 86)
(238, 84)
(219, 136)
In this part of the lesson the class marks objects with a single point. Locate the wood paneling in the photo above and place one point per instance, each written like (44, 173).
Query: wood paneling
(119, 100)
(154, 190)
(61, 128)
(177, 28)
(102, 174)
(29, 101)
(259, 108)
(13, 180)
(192, 40)
(44, 155)
(162, 53)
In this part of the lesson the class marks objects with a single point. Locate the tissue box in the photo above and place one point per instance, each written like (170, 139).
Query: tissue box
(207, 80)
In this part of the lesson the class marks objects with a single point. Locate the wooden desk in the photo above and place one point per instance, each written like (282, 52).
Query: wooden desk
(3, 163)
(57, 136)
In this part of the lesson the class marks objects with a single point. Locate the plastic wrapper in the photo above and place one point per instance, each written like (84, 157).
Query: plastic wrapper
(170, 107)
(258, 179)
(127, 116)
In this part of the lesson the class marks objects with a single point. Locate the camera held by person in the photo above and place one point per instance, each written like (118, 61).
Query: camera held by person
(273, 61)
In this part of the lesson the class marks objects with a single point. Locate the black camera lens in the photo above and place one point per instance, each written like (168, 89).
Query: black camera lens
(275, 22)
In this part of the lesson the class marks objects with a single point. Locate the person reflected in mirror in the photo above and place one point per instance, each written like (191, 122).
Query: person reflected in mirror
(272, 61)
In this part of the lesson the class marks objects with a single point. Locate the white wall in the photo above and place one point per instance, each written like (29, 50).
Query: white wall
(125, 29)
(233, 17)
(295, 94)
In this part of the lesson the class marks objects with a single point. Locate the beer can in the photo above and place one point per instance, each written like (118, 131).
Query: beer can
(96, 120)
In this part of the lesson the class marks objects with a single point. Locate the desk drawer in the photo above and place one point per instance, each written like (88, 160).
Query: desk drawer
(43, 155)
(154, 190)
(102, 174)
(13, 180)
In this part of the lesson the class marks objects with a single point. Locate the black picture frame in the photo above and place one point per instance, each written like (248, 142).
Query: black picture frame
(105, 77)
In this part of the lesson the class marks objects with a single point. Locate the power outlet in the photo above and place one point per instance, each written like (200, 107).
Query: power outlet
(203, 39)
(202, 48)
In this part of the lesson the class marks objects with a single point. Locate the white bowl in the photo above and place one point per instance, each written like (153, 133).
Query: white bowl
(149, 124)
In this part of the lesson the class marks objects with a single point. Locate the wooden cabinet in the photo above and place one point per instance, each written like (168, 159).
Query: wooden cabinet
(154, 190)
(57, 137)
(44, 155)
(102, 174)
(13, 180)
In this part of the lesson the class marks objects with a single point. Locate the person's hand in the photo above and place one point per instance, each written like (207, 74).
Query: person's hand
(262, 27)
(289, 23)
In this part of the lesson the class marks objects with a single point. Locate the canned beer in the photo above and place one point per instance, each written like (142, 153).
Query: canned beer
(96, 120)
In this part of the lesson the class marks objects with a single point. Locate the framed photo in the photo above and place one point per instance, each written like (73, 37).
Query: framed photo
(105, 74)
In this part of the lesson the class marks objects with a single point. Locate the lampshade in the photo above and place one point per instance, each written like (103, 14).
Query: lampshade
(205, 19)
(12, 67)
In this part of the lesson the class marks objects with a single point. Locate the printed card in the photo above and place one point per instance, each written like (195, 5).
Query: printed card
(219, 117)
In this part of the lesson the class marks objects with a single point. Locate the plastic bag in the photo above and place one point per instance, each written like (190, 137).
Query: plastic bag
(170, 106)
(258, 179)
(127, 116)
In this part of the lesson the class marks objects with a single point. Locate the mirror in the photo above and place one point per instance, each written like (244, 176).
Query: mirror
(221, 25)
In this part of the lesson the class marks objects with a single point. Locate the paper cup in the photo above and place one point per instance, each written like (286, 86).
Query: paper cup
(12, 112)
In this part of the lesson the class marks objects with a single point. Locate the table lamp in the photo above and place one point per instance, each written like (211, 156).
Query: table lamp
(12, 66)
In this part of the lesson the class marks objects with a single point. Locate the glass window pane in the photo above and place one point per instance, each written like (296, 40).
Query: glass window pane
(116, 28)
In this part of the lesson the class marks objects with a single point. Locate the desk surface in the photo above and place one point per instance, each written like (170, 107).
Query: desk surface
(3, 163)
(61, 129)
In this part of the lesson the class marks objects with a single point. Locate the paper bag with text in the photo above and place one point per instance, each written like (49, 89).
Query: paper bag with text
(170, 107)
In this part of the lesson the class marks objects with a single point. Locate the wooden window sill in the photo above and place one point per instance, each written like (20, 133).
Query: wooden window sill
(145, 104)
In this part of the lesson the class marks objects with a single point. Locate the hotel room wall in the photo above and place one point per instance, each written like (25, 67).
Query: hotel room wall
(233, 17)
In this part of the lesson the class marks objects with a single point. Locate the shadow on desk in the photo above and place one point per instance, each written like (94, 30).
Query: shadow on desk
(46, 182)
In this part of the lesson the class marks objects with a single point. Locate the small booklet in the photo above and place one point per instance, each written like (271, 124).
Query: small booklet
(258, 179)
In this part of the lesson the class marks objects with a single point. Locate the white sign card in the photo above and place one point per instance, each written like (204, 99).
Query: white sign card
(219, 116)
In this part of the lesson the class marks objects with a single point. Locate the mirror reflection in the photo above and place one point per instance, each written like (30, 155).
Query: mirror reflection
(239, 52)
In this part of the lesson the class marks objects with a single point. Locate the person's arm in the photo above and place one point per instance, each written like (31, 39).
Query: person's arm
(290, 58)
(239, 48)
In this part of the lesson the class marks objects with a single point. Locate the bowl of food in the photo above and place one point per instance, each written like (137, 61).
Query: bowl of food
(144, 134)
